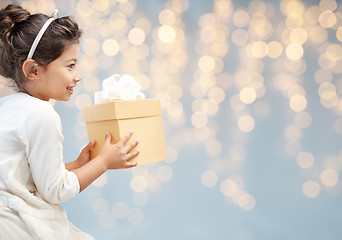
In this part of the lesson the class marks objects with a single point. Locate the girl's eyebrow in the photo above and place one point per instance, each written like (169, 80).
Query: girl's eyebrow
(72, 60)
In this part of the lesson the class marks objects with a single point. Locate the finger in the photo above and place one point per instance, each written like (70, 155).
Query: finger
(91, 145)
(130, 164)
(132, 145)
(131, 155)
(88, 147)
(108, 137)
(125, 138)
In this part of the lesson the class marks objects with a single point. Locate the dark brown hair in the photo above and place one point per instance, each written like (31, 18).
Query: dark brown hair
(18, 29)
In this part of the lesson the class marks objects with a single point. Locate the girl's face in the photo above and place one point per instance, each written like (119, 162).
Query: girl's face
(58, 78)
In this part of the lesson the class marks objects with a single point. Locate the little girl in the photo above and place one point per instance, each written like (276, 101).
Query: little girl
(40, 54)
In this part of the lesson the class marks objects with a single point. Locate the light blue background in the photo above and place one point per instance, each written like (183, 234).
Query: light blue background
(183, 208)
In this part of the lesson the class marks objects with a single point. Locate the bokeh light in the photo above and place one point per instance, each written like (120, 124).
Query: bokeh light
(329, 177)
(251, 98)
(311, 189)
(136, 36)
(166, 34)
(209, 178)
(305, 160)
(110, 47)
(294, 51)
(246, 123)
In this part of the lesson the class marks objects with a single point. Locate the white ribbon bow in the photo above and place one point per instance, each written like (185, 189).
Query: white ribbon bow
(123, 87)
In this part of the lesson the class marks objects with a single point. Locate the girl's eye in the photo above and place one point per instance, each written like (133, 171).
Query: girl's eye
(71, 66)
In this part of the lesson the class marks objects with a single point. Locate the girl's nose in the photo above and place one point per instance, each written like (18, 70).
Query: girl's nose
(77, 77)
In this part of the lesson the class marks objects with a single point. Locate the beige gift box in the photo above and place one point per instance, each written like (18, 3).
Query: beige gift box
(118, 117)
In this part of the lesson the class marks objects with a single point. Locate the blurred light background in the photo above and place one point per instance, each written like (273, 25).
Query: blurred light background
(251, 93)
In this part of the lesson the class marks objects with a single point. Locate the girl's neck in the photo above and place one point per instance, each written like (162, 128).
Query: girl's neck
(23, 90)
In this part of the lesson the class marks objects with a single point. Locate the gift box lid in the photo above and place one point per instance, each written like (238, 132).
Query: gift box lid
(121, 109)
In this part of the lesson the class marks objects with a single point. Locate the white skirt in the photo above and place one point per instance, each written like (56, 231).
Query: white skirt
(18, 225)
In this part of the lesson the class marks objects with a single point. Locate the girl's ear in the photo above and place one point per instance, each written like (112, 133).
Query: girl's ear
(30, 70)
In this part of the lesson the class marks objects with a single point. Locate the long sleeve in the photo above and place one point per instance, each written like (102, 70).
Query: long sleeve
(33, 178)
(41, 132)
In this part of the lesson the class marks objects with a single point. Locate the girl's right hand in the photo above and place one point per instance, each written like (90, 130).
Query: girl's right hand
(111, 156)
(117, 155)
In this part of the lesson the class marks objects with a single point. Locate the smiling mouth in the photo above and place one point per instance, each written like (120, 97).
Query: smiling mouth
(70, 89)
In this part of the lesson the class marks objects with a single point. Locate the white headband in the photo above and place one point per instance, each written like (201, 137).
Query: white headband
(55, 15)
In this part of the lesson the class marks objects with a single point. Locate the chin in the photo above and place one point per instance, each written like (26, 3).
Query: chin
(62, 99)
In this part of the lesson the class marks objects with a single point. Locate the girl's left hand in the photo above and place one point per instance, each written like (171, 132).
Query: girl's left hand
(84, 156)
